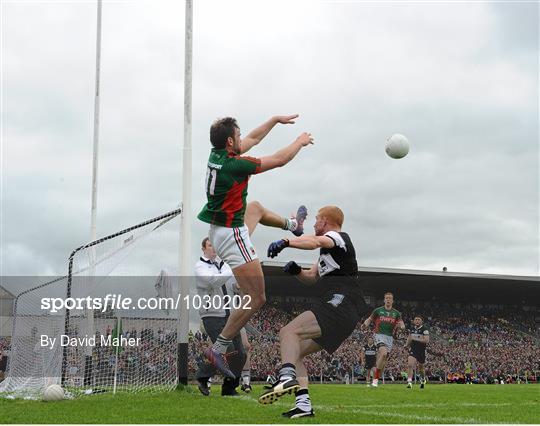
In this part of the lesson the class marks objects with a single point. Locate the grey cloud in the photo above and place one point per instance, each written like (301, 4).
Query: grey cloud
(518, 22)
(457, 84)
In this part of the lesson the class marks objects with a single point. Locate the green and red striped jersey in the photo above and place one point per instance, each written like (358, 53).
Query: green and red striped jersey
(227, 179)
(385, 320)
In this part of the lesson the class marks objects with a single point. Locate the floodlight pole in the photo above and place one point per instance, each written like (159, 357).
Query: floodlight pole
(185, 231)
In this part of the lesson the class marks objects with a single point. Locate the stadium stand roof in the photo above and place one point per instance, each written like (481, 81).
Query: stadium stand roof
(423, 285)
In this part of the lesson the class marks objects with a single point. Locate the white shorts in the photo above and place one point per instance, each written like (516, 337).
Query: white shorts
(384, 340)
(232, 245)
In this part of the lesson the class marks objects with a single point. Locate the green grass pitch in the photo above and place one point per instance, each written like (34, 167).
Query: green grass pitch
(332, 404)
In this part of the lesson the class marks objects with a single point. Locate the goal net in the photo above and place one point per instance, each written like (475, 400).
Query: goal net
(79, 330)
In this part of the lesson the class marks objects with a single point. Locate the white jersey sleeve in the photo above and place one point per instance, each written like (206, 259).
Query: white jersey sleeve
(213, 282)
(206, 276)
(338, 239)
(327, 263)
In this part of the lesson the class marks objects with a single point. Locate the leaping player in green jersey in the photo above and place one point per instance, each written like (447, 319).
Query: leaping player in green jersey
(387, 320)
(232, 220)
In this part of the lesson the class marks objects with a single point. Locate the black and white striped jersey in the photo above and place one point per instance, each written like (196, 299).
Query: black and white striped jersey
(418, 332)
(338, 269)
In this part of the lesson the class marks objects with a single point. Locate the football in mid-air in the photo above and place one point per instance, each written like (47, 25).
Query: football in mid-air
(397, 146)
(53, 393)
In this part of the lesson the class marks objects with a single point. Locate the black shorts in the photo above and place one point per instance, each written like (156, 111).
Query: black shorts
(337, 316)
(370, 362)
(419, 354)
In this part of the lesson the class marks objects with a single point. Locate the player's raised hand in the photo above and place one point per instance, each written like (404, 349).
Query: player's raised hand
(305, 139)
(286, 119)
(276, 247)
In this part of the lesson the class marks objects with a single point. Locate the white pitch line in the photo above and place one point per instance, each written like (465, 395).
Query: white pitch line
(442, 404)
(426, 405)
(420, 418)
(424, 419)
(333, 408)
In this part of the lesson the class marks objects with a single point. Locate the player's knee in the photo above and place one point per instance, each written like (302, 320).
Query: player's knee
(286, 331)
(257, 301)
(255, 206)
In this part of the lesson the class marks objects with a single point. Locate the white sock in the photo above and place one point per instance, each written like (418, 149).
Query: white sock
(287, 372)
(302, 400)
(222, 344)
(246, 378)
(290, 224)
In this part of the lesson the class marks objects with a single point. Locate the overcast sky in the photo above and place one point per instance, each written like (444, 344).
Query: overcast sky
(460, 80)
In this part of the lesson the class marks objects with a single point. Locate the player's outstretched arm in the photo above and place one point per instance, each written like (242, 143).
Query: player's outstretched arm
(284, 155)
(311, 242)
(258, 134)
(305, 242)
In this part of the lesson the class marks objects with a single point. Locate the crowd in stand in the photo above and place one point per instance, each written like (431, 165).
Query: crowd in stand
(491, 344)
(153, 361)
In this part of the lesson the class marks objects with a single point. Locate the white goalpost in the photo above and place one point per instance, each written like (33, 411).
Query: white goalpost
(95, 157)
(185, 231)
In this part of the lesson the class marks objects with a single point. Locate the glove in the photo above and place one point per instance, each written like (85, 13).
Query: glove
(292, 268)
(275, 248)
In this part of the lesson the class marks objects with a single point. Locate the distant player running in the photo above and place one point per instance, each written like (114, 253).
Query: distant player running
(232, 221)
(417, 343)
(387, 320)
(329, 321)
(368, 357)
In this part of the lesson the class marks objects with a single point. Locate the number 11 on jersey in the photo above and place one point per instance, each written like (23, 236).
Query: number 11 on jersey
(211, 175)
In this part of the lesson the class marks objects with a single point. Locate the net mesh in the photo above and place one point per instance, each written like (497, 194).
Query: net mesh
(76, 347)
